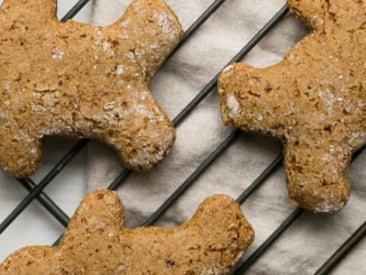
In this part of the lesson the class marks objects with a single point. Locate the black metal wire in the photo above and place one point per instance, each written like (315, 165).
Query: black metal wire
(74, 10)
(121, 177)
(260, 179)
(268, 242)
(202, 168)
(243, 52)
(49, 177)
(198, 23)
(192, 178)
(287, 223)
(336, 258)
(47, 202)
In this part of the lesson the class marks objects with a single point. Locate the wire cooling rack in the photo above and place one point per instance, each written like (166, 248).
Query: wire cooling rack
(36, 190)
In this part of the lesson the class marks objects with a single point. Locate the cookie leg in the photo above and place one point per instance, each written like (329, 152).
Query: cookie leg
(317, 176)
(20, 154)
(145, 136)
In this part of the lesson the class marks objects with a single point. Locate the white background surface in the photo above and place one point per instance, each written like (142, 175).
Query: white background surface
(35, 225)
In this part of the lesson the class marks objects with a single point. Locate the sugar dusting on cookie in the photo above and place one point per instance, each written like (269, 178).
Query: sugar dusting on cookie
(329, 208)
(228, 69)
(57, 54)
(317, 20)
(233, 106)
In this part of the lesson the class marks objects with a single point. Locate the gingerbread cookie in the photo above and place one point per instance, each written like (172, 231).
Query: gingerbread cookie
(83, 81)
(95, 242)
(313, 101)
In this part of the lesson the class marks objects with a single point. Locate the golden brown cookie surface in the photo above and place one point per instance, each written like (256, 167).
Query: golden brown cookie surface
(313, 101)
(82, 81)
(96, 243)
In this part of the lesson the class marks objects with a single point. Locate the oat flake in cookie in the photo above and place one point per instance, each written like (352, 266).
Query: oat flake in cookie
(83, 81)
(313, 101)
(95, 242)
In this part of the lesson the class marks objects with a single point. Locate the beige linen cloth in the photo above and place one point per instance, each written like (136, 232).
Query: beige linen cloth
(312, 238)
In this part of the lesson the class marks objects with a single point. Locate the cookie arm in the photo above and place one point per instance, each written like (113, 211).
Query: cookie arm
(99, 210)
(212, 240)
(254, 99)
(34, 10)
(154, 29)
(20, 154)
(313, 12)
(213, 217)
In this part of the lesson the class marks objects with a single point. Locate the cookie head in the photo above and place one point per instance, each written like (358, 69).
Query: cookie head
(313, 101)
(83, 81)
(95, 242)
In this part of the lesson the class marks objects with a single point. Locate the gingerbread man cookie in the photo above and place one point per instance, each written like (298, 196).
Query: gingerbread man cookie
(313, 101)
(95, 242)
(83, 81)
